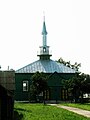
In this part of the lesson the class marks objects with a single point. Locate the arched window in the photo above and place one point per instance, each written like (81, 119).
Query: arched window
(25, 85)
(44, 49)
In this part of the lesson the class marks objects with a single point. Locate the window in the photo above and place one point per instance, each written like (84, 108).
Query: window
(25, 85)
(44, 49)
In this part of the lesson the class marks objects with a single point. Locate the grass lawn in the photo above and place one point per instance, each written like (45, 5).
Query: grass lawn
(85, 106)
(44, 112)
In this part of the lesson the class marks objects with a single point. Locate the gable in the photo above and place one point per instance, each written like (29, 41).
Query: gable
(55, 79)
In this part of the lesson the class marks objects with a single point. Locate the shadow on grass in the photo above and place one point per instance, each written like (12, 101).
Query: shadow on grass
(18, 116)
(21, 109)
(84, 104)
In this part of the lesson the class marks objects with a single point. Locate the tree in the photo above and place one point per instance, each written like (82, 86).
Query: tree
(38, 85)
(77, 86)
(68, 64)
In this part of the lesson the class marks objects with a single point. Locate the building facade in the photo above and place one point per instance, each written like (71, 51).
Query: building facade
(55, 71)
(7, 88)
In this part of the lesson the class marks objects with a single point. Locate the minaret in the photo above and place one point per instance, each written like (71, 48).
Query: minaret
(44, 49)
(44, 33)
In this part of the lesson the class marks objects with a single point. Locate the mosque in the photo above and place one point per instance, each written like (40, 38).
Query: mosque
(56, 73)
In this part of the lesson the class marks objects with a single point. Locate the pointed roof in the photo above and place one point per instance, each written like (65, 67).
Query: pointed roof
(46, 66)
(44, 31)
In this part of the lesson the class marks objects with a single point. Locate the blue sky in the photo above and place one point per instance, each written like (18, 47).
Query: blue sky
(67, 23)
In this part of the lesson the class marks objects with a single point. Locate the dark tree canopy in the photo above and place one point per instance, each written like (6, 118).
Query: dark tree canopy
(78, 85)
(39, 84)
(68, 64)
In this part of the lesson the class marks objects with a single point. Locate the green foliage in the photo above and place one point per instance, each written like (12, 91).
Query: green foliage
(68, 64)
(38, 85)
(45, 112)
(77, 86)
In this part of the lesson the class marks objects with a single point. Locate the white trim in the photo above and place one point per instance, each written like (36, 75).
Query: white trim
(25, 85)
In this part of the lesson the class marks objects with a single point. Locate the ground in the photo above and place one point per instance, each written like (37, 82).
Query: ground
(44, 112)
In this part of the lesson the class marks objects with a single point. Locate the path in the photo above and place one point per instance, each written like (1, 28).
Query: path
(85, 113)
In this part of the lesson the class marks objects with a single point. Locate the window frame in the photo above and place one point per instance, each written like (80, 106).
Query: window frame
(27, 85)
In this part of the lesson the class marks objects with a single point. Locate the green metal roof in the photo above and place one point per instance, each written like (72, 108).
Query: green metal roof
(46, 66)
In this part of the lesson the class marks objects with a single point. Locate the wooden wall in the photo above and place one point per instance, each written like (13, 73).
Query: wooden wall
(7, 87)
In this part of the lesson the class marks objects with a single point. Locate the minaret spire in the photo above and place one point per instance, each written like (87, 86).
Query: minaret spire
(44, 49)
(44, 32)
